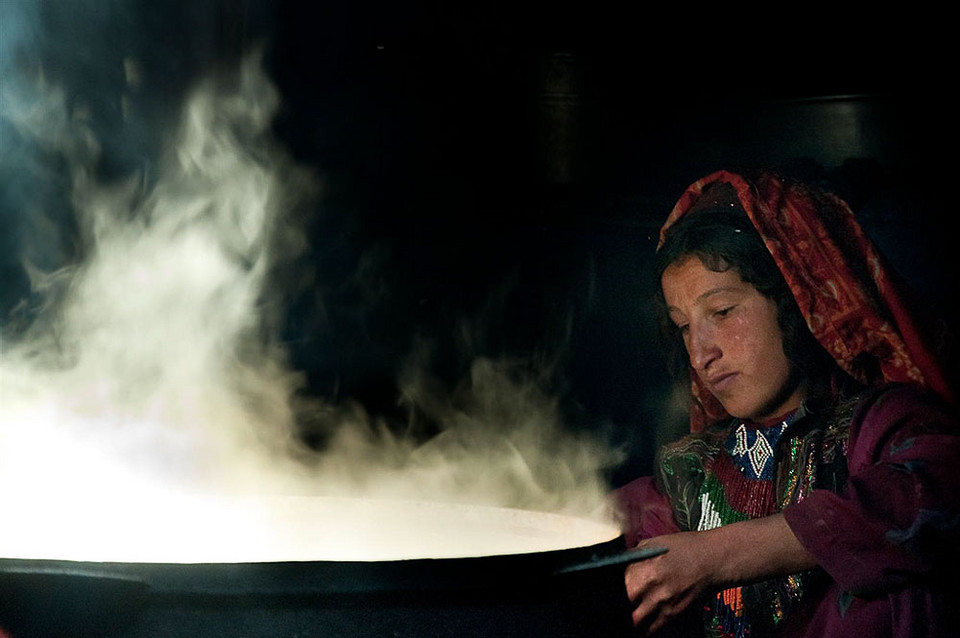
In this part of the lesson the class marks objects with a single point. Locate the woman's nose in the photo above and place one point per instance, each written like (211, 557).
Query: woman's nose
(702, 347)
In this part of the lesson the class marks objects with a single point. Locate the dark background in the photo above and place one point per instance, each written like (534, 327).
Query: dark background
(495, 173)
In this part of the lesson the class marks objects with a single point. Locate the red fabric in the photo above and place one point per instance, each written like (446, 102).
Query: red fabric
(851, 300)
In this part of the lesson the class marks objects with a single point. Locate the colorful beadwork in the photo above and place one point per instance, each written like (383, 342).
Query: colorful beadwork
(737, 487)
(745, 471)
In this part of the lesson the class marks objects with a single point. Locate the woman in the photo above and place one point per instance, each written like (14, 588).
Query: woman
(817, 494)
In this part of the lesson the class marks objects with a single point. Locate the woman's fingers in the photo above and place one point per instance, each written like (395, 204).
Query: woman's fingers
(645, 592)
(645, 614)
(662, 587)
(636, 581)
(651, 615)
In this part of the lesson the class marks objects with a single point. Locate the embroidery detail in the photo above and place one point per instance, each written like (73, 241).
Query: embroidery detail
(713, 480)
(740, 487)
(753, 449)
(709, 516)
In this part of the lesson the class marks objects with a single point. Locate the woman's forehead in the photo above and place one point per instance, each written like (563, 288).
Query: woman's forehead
(688, 281)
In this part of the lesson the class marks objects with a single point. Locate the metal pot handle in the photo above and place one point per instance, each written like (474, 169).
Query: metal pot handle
(620, 558)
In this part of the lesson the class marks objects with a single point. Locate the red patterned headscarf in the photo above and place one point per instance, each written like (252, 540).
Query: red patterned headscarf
(852, 302)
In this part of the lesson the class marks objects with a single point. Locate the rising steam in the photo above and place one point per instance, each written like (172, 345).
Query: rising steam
(150, 368)
(154, 343)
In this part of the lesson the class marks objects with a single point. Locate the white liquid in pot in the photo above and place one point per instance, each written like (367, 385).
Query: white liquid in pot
(302, 528)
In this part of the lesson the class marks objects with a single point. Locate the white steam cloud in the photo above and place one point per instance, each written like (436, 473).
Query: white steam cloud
(155, 342)
(150, 369)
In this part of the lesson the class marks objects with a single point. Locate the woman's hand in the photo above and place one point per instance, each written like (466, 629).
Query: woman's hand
(662, 587)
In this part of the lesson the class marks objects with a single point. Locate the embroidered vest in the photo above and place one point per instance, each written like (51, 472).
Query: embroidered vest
(740, 471)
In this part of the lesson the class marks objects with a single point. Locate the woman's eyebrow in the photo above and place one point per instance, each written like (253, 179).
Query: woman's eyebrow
(707, 294)
(715, 291)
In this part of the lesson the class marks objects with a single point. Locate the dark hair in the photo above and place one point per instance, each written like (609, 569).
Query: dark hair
(725, 238)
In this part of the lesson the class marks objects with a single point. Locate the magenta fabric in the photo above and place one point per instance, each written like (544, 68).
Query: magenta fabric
(646, 511)
(891, 539)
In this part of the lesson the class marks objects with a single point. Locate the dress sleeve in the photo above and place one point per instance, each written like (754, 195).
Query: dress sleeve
(645, 511)
(899, 516)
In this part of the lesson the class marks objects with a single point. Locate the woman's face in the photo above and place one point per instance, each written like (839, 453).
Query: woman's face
(732, 338)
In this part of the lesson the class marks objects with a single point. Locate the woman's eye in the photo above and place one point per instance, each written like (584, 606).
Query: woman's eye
(723, 312)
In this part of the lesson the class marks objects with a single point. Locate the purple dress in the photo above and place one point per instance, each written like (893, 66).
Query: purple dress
(868, 484)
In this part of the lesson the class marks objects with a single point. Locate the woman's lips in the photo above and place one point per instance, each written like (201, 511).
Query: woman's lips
(721, 382)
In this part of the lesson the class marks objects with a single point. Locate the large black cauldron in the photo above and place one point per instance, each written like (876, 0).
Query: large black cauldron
(572, 592)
